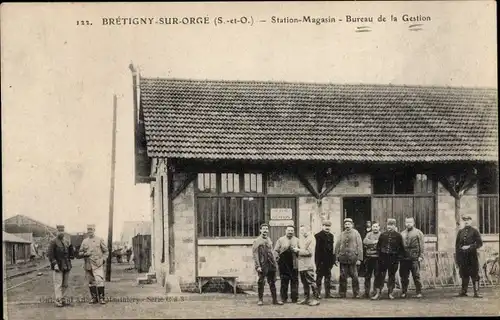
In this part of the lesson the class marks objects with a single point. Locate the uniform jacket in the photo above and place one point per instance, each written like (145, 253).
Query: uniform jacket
(391, 243)
(94, 251)
(413, 242)
(306, 252)
(263, 256)
(349, 247)
(60, 252)
(370, 243)
(465, 237)
(283, 249)
(324, 254)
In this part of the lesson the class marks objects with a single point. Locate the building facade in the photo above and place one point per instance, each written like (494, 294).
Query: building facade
(222, 157)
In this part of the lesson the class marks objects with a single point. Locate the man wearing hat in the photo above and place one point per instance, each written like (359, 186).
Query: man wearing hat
(60, 253)
(324, 256)
(288, 264)
(390, 250)
(466, 245)
(349, 252)
(95, 253)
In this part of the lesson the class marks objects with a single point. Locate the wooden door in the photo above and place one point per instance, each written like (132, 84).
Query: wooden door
(281, 211)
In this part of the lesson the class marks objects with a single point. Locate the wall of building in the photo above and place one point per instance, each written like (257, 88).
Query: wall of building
(234, 257)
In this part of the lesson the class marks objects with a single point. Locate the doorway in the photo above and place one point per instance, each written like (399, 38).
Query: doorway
(359, 209)
(282, 211)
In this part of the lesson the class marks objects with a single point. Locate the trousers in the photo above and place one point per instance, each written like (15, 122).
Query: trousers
(326, 273)
(386, 264)
(290, 278)
(95, 277)
(309, 283)
(346, 271)
(271, 280)
(61, 280)
(405, 267)
(371, 269)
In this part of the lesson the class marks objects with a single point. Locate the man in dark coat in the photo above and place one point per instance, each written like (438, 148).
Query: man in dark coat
(265, 264)
(466, 245)
(371, 256)
(413, 240)
(324, 257)
(390, 250)
(288, 265)
(60, 253)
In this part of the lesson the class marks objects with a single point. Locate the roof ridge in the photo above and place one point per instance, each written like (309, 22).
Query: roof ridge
(240, 81)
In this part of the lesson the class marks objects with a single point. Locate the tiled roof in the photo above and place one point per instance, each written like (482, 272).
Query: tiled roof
(9, 237)
(310, 121)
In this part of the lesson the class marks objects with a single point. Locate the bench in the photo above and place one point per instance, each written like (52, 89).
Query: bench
(202, 280)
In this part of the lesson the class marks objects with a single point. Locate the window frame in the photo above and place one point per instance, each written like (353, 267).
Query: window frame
(221, 196)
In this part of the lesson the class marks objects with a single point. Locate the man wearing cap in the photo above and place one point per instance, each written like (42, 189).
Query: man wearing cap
(95, 252)
(324, 256)
(287, 264)
(349, 252)
(466, 245)
(371, 256)
(413, 241)
(265, 264)
(390, 249)
(60, 253)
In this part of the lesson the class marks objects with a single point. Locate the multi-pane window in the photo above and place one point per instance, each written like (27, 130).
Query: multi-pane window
(230, 204)
(488, 200)
(405, 194)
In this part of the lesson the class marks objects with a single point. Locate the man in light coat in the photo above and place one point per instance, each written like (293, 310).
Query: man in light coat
(349, 252)
(305, 252)
(95, 252)
(413, 241)
(288, 264)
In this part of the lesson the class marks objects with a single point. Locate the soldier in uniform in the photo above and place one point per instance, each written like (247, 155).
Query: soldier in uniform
(287, 264)
(324, 257)
(413, 240)
(371, 256)
(305, 251)
(390, 249)
(265, 264)
(95, 253)
(60, 253)
(349, 252)
(467, 243)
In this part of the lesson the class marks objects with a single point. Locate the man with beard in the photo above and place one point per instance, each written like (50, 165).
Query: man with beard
(288, 265)
(60, 253)
(265, 264)
(95, 252)
(349, 252)
(324, 257)
(371, 256)
(466, 245)
(305, 252)
(390, 249)
(413, 241)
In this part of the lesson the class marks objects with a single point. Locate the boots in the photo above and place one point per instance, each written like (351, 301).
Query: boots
(100, 291)
(315, 299)
(367, 289)
(378, 293)
(275, 296)
(465, 285)
(389, 294)
(93, 295)
(328, 293)
(260, 290)
(475, 285)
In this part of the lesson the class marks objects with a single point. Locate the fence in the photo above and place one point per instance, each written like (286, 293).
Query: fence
(438, 269)
(141, 246)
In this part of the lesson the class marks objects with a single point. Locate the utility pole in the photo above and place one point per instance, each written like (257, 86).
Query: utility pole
(111, 194)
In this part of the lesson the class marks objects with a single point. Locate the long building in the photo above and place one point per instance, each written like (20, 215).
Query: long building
(222, 157)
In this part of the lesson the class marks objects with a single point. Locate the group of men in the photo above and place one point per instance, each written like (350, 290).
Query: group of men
(379, 253)
(94, 252)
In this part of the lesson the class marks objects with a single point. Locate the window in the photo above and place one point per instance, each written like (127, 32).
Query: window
(231, 206)
(488, 200)
(405, 194)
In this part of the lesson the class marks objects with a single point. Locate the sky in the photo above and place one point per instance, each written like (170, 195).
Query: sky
(58, 81)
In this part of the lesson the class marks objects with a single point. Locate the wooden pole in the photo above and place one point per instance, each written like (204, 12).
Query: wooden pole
(111, 194)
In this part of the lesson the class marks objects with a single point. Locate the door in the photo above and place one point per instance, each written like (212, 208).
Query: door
(282, 211)
(359, 210)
